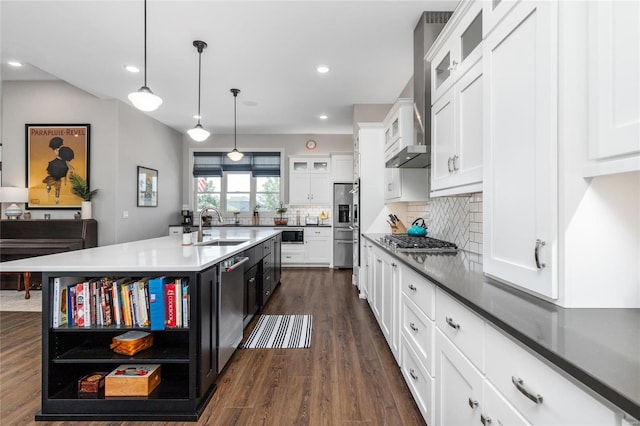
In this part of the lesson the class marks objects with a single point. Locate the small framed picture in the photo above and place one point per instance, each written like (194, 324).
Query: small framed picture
(147, 187)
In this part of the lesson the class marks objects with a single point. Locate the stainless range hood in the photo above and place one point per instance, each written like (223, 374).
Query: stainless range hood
(425, 33)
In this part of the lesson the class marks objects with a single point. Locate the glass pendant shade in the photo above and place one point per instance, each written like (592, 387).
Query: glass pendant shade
(235, 155)
(198, 133)
(145, 100)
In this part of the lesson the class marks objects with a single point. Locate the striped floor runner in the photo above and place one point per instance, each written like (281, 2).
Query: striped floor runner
(281, 331)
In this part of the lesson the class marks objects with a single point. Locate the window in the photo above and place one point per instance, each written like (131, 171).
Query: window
(237, 186)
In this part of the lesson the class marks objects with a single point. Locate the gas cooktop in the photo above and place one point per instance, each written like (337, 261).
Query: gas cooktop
(408, 243)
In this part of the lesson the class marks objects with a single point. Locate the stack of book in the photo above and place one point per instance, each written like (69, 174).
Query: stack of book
(155, 303)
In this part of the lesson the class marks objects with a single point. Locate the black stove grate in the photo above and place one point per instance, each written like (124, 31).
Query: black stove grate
(408, 242)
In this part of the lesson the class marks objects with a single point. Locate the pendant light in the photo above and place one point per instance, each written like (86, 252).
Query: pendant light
(198, 133)
(235, 155)
(144, 99)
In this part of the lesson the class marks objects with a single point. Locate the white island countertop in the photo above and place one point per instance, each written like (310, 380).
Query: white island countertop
(156, 254)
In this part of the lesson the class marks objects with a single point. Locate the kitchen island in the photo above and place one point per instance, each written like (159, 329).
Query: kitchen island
(187, 354)
(597, 350)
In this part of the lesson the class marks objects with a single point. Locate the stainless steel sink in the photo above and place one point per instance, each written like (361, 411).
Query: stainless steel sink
(221, 243)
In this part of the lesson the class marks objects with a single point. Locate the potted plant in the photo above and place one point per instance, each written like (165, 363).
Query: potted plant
(281, 210)
(80, 188)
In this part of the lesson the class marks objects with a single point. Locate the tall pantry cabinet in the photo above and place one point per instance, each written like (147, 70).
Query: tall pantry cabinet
(547, 229)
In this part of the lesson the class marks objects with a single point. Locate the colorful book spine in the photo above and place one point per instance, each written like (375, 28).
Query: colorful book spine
(71, 306)
(185, 305)
(178, 302)
(157, 303)
(170, 300)
(56, 302)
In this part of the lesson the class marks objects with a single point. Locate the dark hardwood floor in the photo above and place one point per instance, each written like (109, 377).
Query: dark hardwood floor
(347, 377)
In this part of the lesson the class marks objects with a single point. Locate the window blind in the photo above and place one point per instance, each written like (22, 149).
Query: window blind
(258, 163)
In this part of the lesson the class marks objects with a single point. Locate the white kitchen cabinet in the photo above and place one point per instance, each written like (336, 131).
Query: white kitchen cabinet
(385, 300)
(370, 143)
(497, 410)
(375, 293)
(614, 87)
(309, 180)
(406, 185)
(457, 48)
(520, 141)
(456, 150)
(458, 386)
(456, 113)
(420, 382)
(418, 330)
(292, 254)
(464, 328)
(541, 395)
(398, 127)
(318, 244)
(342, 168)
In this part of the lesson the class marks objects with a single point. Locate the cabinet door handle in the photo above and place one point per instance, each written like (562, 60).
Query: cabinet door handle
(519, 384)
(412, 287)
(453, 162)
(379, 261)
(452, 323)
(536, 252)
(413, 374)
(485, 420)
(449, 165)
(453, 66)
(394, 265)
(473, 403)
(389, 187)
(252, 280)
(413, 327)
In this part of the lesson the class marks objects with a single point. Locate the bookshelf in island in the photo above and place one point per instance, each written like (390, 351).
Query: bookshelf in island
(155, 288)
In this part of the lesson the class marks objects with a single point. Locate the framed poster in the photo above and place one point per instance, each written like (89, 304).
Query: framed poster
(147, 187)
(53, 152)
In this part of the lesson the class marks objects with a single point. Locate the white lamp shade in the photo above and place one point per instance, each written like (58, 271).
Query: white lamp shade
(145, 100)
(235, 155)
(198, 133)
(12, 194)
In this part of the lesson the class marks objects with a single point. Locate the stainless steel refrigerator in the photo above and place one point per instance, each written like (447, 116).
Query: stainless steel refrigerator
(343, 225)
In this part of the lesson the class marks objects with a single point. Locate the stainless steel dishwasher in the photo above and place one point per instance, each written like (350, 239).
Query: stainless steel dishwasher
(230, 308)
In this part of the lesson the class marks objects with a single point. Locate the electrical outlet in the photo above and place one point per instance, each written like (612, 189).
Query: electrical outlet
(125, 214)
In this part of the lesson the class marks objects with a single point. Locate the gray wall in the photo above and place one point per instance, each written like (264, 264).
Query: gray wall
(121, 138)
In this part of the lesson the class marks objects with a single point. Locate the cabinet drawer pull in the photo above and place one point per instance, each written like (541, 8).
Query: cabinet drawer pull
(413, 327)
(413, 374)
(395, 265)
(379, 261)
(539, 243)
(452, 323)
(485, 420)
(252, 280)
(473, 403)
(412, 287)
(519, 384)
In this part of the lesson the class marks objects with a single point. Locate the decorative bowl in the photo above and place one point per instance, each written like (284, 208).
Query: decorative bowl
(282, 222)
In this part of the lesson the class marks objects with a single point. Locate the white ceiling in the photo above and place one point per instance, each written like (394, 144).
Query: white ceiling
(267, 49)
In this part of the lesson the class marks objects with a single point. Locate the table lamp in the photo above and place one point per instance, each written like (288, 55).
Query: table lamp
(13, 195)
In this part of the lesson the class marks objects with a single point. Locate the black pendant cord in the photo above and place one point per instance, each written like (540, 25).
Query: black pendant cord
(145, 43)
(199, 79)
(235, 107)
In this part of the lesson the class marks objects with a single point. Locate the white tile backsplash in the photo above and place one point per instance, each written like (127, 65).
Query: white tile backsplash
(454, 219)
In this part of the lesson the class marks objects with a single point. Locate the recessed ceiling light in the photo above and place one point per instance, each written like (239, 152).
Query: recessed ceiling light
(197, 117)
(324, 117)
(132, 68)
(322, 69)
(15, 63)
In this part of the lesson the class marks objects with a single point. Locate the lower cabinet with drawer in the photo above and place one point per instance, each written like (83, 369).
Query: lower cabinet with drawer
(420, 382)
(543, 396)
(458, 386)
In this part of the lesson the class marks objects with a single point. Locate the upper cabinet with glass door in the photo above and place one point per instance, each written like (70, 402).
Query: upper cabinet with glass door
(457, 47)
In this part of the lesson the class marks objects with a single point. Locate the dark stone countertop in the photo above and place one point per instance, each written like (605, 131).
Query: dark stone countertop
(599, 348)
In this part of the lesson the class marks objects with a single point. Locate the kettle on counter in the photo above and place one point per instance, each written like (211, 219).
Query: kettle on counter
(418, 228)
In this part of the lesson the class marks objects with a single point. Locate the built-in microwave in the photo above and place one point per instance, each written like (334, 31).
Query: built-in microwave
(293, 236)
